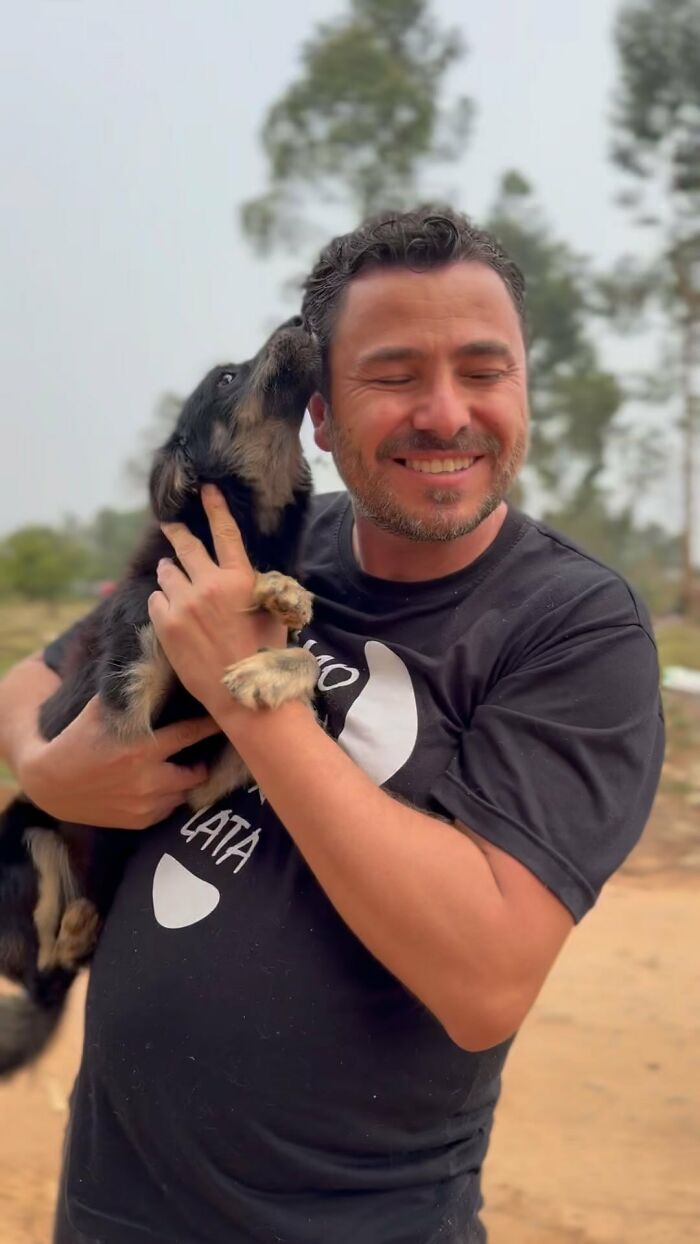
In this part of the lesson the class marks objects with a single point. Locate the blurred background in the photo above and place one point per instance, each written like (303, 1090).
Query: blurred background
(169, 172)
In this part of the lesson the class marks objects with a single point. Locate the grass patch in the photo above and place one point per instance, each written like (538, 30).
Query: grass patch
(26, 626)
(679, 642)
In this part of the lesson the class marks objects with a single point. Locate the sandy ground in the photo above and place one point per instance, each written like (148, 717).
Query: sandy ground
(597, 1136)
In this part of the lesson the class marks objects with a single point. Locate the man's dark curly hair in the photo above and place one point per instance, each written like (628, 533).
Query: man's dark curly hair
(427, 237)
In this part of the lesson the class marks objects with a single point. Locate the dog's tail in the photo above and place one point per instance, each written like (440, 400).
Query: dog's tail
(27, 1024)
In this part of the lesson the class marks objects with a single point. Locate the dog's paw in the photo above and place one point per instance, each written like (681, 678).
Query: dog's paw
(77, 934)
(283, 597)
(271, 677)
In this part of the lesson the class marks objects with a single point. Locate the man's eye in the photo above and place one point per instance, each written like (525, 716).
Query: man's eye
(483, 375)
(394, 380)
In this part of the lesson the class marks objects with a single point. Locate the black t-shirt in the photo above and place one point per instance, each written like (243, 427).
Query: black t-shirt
(251, 1073)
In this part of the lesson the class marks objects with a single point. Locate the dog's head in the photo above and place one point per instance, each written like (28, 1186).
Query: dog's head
(242, 424)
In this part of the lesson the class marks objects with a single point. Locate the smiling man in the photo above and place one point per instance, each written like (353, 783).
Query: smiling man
(304, 996)
(428, 377)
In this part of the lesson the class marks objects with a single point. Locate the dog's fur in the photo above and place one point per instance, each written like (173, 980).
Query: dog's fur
(240, 430)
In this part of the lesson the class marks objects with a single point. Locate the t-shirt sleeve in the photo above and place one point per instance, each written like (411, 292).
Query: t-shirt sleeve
(560, 763)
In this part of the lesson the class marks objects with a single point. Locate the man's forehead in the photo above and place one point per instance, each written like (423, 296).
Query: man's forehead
(465, 298)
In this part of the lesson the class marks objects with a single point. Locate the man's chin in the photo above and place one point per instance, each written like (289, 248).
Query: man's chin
(445, 519)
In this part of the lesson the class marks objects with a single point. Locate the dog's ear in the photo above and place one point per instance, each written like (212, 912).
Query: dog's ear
(172, 479)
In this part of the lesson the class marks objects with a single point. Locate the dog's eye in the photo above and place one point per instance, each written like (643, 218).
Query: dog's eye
(226, 378)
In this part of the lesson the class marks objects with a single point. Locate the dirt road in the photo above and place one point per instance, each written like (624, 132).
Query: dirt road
(597, 1138)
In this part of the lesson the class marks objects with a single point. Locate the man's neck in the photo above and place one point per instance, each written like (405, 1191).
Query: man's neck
(388, 556)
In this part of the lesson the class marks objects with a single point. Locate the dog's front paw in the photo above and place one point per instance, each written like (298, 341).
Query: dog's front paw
(271, 677)
(283, 597)
(77, 935)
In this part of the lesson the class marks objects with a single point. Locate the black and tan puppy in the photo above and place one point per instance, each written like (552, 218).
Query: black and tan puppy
(240, 430)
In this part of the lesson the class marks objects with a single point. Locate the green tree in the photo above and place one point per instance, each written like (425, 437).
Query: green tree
(41, 564)
(574, 400)
(363, 123)
(656, 128)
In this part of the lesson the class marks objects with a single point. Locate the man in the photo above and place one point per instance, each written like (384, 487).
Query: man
(303, 997)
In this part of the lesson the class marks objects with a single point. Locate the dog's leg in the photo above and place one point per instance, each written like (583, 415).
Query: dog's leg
(272, 676)
(284, 597)
(57, 887)
(132, 696)
(77, 935)
(228, 773)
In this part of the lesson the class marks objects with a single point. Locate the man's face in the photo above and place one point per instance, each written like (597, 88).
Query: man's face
(427, 418)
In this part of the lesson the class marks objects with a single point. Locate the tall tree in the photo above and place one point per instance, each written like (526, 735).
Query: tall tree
(363, 123)
(574, 399)
(656, 126)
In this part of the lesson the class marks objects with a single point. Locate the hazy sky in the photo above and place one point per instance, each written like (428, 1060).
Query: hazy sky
(129, 138)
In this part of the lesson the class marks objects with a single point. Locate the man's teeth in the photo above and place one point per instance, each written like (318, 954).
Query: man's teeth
(435, 466)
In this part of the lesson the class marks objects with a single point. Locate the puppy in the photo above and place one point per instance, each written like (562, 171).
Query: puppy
(239, 429)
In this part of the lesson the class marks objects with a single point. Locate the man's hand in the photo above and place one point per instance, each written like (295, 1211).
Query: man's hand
(86, 776)
(204, 617)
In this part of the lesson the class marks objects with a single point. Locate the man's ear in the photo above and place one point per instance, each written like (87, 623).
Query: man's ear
(319, 411)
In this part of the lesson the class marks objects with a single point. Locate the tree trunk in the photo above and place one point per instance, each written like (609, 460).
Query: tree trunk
(691, 403)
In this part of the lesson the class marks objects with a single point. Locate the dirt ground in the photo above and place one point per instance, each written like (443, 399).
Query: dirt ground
(597, 1136)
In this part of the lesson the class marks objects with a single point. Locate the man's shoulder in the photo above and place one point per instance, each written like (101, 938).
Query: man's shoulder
(566, 569)
(326, 504)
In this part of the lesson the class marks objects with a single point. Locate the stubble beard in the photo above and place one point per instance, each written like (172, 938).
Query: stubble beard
(372, 500)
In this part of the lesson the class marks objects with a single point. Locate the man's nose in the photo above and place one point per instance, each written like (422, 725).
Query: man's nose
(443, 411)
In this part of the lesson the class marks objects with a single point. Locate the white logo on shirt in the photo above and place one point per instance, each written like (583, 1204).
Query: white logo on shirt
(379, 734)
(180, 897)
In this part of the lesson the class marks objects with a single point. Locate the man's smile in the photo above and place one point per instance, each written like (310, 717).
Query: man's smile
(434, 465)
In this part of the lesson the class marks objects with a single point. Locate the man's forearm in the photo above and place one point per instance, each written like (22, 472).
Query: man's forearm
(417, 892)
(22, 691)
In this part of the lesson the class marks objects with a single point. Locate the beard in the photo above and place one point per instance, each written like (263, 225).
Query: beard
(372, 499)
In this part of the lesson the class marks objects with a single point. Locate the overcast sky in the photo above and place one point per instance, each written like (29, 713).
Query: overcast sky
(129, 137)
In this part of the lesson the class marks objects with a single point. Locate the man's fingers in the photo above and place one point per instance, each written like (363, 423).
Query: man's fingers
(230, 550)
(182, 778)
(190, 551)
(171, 739)
(172, 582)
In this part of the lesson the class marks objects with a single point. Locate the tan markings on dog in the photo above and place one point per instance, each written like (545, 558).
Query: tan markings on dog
(228, 773)
(147, 683)
(284, 597)
(267, 454)
(220, 441)
(172, 483)
(272, 677)
(57, 888)
(77, 934)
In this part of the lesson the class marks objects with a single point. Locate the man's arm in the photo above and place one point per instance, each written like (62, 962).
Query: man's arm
(84, 775)
(467, 928)
(22, 692)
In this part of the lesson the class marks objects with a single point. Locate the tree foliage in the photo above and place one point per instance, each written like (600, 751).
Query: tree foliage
(656, 128)
(657, 106)
(574, 400)
(363, 122)
(39, 563)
